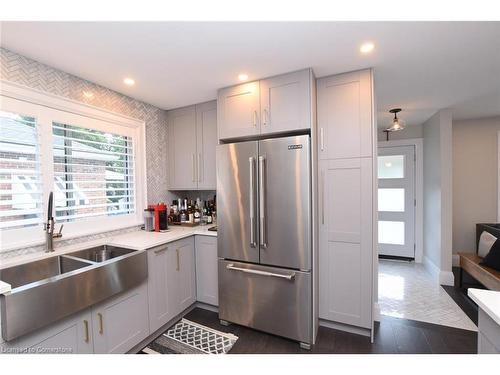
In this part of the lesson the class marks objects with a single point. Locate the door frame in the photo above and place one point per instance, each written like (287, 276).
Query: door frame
(418, 143)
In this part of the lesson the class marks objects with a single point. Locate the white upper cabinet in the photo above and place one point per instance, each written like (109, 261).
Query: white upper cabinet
(192, 139)
(238, 110)
(273, 105)
(182, 148)
(345, 115)
(285, 102)
(206, 143)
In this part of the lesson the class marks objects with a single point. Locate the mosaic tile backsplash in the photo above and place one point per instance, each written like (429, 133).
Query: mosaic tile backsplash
(25, 71)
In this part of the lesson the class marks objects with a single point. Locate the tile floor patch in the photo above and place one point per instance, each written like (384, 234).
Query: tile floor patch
(408, 290)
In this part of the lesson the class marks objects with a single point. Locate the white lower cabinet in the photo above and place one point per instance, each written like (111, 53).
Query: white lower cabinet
(121, 323)
(72, 335)
(346, 241)
(206, 270)
(171, 281)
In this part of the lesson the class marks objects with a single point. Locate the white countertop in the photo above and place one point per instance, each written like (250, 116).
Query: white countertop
(488, 301)
(141, 240)
(137, 240)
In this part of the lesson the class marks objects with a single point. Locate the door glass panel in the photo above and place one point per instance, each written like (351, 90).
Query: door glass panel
(391, 166)
(391, 200)
(391, 232)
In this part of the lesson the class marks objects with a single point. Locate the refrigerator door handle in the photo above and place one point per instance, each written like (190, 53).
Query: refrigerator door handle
(251, 160)
(262, 273)
(262, 202)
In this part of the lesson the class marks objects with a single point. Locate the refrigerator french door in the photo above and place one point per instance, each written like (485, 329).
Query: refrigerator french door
(264, 235)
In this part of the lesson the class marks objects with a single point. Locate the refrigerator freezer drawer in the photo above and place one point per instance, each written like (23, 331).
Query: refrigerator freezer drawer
(269, 299)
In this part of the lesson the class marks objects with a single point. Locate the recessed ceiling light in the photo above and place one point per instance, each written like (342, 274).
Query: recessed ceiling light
(367, 47)
(129, 81)
(88, 94)
(243, 77)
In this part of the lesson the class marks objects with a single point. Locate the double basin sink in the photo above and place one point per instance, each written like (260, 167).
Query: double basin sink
(50, 289)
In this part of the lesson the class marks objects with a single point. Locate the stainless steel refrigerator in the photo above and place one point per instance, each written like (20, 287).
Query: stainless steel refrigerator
(264, 235)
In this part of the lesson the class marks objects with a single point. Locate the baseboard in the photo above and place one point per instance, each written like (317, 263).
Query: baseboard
(446, 278)
(345, 327)
(206, 306)
(431, 268)
(376, 312)
(455, 260)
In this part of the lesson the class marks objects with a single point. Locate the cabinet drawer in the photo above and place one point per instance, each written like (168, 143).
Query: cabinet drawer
(262, 298)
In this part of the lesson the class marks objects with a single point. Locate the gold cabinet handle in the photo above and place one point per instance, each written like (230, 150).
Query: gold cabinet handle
(159, 251)
(101, 325)
(178, 261)
(265, 117)
(86, 323)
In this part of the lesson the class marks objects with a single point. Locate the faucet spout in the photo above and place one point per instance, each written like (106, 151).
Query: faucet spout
(49, 226)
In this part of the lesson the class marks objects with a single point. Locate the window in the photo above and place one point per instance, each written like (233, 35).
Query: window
(93, 173)
(91, 159)
(20, 182)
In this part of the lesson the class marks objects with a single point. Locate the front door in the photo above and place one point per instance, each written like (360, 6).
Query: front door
(396, 201)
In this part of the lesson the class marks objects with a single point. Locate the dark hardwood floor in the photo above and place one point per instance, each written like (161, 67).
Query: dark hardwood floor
(459, 295)
(392, 336)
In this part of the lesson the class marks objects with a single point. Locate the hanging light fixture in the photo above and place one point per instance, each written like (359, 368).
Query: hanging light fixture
(397, 124)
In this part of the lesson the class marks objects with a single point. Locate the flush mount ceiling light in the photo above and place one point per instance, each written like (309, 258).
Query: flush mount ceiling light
(88, 94)
(397, 124)
(243, 77)
(129, 81)
(367, 47)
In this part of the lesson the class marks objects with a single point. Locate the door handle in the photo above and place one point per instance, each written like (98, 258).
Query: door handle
(251, 161)
(262, 273)
(87, 337)
(265, 116)
(199, 167)
(254, 118)
(178, 260)
(322, 197)
(193, 168)
(322, 139)
(262, 201)
(101, 324)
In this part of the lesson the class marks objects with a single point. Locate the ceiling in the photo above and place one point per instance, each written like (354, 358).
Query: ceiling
(419, 66)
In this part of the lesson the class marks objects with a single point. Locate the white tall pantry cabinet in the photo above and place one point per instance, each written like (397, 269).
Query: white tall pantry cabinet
(346, 187)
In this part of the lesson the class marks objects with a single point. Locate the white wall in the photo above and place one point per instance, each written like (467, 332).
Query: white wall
(475, 186)
(437, 134)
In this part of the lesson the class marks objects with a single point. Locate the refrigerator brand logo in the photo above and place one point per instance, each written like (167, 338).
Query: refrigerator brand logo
(294, 147)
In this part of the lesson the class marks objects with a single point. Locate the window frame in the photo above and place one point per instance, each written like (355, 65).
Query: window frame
(48, 108)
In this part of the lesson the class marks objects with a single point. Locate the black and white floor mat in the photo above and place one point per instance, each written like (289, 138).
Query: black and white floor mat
(187, 337)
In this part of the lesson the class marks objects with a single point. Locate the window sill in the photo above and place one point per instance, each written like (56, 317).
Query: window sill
(18, 245)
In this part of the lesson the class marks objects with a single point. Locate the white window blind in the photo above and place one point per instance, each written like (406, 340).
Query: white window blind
(93, 173)
(21, 194)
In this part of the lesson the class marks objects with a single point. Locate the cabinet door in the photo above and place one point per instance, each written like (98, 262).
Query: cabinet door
(122, 322)
(182, 148)
(285, 102)
(206, 270)
(161, 308)
(72, 335)
(238, 109)
(186, 275)
(206, 134)
(345, 115)
(346, 243)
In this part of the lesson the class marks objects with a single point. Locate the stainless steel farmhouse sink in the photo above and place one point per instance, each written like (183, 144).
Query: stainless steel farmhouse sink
(47, 290)
(101, 253)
